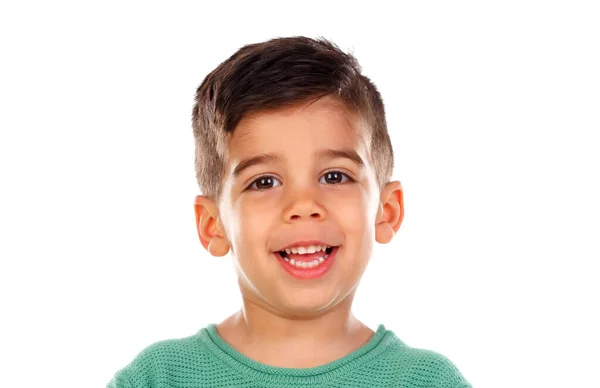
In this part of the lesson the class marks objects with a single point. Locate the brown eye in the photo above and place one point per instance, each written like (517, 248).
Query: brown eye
(335, 177)
(264, 183)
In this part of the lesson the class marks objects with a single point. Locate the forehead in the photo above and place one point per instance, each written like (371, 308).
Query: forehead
(324, 123)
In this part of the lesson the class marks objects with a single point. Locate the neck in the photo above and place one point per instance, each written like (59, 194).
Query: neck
(266, 335)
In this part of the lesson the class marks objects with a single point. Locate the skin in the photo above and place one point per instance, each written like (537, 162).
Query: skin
(284, 321)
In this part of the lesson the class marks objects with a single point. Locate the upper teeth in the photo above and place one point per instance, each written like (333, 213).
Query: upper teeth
(308, 249)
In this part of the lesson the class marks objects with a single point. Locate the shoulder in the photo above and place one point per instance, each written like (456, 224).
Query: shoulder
(159, 360)
(436, 369)
(422, 367)
(168, 352)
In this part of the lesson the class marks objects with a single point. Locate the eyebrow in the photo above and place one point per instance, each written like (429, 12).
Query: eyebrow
(346, 153)
(255, 160)
(272, 157)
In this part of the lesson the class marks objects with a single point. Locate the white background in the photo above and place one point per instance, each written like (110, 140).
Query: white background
(493, 108)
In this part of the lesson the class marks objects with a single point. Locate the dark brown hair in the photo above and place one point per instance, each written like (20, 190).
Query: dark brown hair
(274, 74)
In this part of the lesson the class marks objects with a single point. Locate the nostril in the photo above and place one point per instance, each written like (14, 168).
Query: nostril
(295, 217)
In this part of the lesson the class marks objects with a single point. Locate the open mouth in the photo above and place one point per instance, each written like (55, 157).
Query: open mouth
(307, 257)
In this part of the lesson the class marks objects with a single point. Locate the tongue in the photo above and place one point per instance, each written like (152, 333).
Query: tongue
(306, 257)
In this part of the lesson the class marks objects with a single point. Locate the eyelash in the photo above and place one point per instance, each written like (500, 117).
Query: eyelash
(254, 182)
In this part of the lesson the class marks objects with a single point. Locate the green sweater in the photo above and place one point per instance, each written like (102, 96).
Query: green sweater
(206, 360)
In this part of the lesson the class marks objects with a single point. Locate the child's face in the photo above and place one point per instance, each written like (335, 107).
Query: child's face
(293, 197)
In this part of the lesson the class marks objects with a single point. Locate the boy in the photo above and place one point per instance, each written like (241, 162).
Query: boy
(294, 160)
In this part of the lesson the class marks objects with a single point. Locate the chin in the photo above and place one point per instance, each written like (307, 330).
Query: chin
(306, 303)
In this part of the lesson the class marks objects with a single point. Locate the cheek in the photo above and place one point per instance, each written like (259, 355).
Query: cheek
(353, 212)
(255, 220)
(356, 220)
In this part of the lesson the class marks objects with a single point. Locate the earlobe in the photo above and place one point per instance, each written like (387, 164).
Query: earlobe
(210, 232)
(390, 213)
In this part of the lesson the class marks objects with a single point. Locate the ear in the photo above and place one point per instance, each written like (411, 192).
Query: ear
(390, 213)
(210, 230)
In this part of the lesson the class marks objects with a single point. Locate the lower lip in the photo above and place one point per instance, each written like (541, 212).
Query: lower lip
(308, 273)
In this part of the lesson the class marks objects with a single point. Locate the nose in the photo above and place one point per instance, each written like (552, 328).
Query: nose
(304, 205)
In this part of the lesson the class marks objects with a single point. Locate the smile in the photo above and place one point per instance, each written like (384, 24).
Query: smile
(307, 262)
(306, 257)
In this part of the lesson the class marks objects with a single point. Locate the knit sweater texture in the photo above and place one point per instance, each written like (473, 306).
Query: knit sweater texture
(206, 360)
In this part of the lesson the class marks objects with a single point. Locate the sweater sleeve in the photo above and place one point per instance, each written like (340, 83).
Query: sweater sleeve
(120, 380)
(447, 374)
(143, 370)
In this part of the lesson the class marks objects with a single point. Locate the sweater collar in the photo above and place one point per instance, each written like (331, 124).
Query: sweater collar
(255, 370)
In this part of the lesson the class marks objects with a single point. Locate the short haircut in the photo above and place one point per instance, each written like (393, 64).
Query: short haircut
(275, 74)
